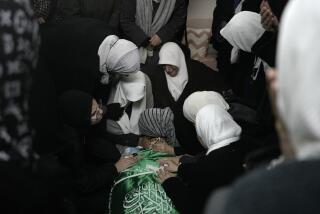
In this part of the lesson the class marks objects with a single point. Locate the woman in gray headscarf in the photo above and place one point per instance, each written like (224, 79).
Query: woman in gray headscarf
(151, 23)
(120, 65)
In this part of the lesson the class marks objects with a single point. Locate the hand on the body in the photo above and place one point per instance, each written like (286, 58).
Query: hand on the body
(168, 165)
(155, 40)
(125, 162)
(162, 146)
(268, 20)
(163, 175)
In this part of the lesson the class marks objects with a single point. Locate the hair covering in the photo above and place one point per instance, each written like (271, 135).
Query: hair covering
(19, 42)
(216, 128)
(200, 99)
(298, 62)
(242, 32)
(117, 56)
(157, 122)
(171, 54)
(130, 89)
(75, 107)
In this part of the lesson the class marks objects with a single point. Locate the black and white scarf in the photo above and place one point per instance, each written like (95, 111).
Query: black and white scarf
(156, 122)
(18, 57)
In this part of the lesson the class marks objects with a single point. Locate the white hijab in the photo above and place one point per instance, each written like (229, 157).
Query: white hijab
(216, 128)
(242, 32)
(298, 62)
(130, 89)
(117, 56)
(197, 100)
(171, 54)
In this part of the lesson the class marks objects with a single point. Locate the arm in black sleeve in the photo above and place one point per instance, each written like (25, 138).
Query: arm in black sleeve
(128, 24)
(265, 47)
(176, 23)
(178, 192)
(131, 140)
(94, 178)
(179, 151)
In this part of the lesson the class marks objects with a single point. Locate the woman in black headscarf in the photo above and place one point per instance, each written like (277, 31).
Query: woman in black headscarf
(94, 160)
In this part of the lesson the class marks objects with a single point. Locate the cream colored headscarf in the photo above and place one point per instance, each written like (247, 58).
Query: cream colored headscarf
(117, 56)
(242, 32)
(171, 54)
(216, 128)
(200, 99)
(130, 89)
(298, 62)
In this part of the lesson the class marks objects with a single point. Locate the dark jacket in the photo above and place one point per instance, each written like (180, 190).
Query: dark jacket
(167, 33)
(190, 190)
(104, 10)
(289, 188)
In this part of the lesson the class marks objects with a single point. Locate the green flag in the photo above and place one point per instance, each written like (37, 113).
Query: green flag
(136, 190)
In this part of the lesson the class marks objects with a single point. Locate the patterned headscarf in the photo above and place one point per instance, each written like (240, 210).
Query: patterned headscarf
(156, 122)
(18, 56)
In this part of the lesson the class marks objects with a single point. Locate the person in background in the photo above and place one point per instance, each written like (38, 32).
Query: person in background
(150, 24)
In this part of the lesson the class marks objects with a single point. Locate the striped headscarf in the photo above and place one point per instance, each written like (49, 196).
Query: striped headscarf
(156, 122)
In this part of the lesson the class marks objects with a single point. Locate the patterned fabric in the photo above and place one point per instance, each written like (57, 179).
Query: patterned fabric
(18, 52)
(137, 190)
(156, 122)
(198, 41)
(41, 8)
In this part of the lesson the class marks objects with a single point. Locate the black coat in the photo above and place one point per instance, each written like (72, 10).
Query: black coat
(190, 190)
(201, 78)
(70, 49)
(105, 10)
(289, 188)
(169, 32)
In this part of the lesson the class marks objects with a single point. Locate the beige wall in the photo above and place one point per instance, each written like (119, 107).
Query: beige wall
(201, 9)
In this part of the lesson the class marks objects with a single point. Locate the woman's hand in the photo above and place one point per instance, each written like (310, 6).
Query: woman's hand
(175, 159)
(168, 165)
(162, 147)
(163, 175)
(125, 162)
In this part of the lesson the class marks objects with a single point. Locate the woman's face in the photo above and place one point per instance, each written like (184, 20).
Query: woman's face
(96, 112)
(171, 70)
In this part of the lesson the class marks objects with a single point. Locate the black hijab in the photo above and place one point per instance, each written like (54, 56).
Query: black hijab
(18, 56)
(75, 108)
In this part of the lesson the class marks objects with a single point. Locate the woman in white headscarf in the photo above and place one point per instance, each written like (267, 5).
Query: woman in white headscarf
(255, 49)
(173, 80)
(119, 61)
(221, 163)
(197, 100)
